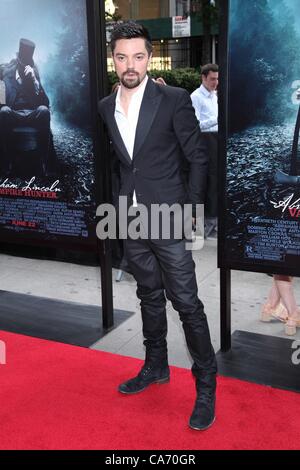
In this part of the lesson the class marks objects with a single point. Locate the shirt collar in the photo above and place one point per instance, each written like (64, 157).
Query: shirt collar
(205, 91)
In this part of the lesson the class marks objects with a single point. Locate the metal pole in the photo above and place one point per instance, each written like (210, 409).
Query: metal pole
(225, 281)
(97, 47)
(214, 52)
(225, 274)
(106, 284)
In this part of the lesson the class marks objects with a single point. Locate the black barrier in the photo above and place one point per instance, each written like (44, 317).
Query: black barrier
(54, 168)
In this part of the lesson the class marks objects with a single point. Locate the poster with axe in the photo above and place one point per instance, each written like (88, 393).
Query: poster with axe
(262, 183)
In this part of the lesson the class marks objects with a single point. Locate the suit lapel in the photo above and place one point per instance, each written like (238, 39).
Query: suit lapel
(149, 107)
(114, 130)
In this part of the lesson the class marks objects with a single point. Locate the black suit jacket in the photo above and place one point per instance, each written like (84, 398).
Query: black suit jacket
(169, 163)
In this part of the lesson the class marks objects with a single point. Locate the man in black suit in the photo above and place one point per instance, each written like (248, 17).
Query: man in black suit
(26, 103)
(155, 132)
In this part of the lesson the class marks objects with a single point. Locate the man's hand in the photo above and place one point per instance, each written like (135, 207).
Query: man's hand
(159, 80)
(29, 72)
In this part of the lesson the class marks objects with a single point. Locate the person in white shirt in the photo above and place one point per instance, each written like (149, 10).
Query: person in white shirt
(205, 102)
(205, 99)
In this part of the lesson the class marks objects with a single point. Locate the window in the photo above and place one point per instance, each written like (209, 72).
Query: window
(195, 6)
(182, 7)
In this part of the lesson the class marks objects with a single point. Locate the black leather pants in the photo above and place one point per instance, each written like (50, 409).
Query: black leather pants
(168, 269)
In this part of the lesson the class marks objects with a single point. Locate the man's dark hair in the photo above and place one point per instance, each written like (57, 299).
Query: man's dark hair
(209, 68)
(130, 30)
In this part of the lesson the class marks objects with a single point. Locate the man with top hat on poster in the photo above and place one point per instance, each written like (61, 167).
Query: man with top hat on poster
(25, 101)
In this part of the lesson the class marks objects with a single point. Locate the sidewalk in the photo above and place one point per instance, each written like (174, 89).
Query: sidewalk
(70, 282)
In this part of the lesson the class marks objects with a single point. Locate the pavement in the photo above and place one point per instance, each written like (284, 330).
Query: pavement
(77, 283)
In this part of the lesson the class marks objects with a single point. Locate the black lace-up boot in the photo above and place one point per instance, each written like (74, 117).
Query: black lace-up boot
(149, 374)
(203, 415)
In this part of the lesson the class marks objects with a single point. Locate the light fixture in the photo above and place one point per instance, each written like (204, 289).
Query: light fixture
(110, 7)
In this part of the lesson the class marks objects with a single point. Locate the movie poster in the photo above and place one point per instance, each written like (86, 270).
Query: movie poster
(47, 164)
(262, 215)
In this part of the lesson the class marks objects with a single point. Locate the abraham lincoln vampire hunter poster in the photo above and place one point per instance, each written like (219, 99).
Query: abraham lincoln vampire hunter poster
(262, 213)
(47, 164)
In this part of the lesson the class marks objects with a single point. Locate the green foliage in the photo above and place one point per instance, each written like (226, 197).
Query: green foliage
(112, 79)
(187, 78)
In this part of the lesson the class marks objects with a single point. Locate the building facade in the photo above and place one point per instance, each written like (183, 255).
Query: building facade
(176, 28)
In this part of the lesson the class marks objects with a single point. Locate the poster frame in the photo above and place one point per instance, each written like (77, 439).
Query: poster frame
(95, 11)
(224, 110)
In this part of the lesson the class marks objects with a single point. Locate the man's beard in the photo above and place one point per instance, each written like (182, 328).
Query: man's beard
(132, 82)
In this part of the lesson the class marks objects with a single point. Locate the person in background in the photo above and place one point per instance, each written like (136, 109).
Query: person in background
(281, 304)
(205, 102)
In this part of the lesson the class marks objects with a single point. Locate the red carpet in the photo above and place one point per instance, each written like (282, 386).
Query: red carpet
(56, 396)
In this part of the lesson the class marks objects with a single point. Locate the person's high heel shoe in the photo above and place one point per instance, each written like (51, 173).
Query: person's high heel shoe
(269, 313)
(292, 324)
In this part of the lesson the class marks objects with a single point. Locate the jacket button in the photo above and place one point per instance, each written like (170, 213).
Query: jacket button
(134, 170)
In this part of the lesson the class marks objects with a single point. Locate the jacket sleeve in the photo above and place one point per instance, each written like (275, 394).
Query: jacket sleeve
(101, 110)
(193, 146)
(41, 99)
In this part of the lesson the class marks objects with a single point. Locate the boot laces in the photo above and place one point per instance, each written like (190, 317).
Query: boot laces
(205, 395)
(145, 370)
